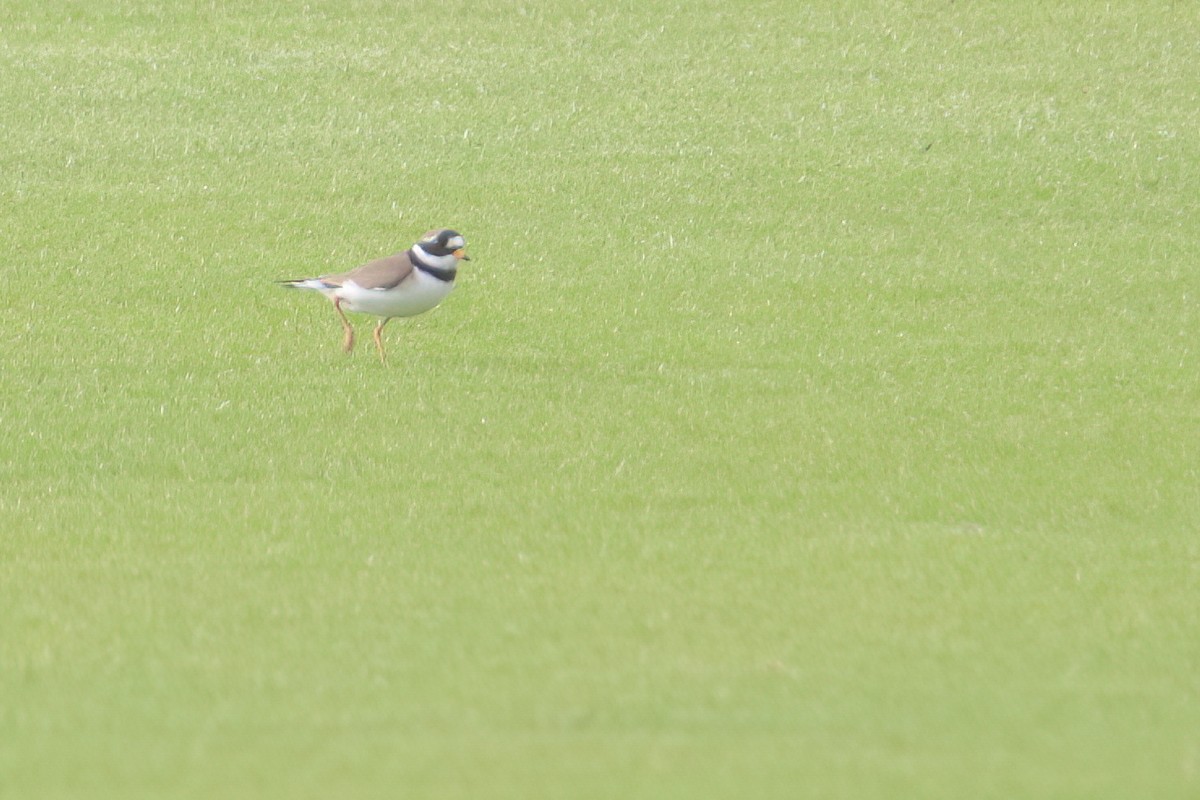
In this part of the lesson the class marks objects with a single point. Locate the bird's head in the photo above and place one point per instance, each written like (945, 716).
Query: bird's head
(445, 243)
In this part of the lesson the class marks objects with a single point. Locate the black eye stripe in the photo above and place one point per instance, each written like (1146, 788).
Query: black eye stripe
(440, 243)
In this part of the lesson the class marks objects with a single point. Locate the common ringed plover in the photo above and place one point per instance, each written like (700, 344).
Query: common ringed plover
(400, 285)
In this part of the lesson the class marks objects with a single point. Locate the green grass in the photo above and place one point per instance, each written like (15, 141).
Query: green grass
(818, 415)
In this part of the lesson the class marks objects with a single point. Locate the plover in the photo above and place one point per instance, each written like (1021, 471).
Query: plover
(400, 285)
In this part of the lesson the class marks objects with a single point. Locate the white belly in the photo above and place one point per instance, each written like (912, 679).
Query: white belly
(419, 293)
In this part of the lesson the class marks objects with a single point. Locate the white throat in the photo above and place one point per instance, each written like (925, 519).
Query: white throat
(447, 261)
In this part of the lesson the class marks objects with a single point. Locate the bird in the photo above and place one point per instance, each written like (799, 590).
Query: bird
(400, 285)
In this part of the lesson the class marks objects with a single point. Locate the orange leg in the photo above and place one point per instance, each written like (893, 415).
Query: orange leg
(379, 339)
(348, 341)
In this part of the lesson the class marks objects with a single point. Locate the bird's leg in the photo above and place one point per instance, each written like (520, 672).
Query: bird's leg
(348, 341)
(379, 339)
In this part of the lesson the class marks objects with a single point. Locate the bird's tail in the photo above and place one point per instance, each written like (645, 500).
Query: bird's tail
(304, 283)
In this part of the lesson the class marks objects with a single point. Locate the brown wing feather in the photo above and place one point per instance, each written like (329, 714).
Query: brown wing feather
(382, 273)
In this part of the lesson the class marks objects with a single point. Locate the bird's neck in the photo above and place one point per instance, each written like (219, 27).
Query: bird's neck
(426, 263)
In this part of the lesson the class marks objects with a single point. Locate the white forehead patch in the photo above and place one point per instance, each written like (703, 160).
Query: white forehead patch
(456, 243)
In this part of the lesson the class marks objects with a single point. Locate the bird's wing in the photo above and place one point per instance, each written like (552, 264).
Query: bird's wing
(382, 273)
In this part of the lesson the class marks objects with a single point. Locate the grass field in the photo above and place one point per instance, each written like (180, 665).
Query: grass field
(819, 415)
